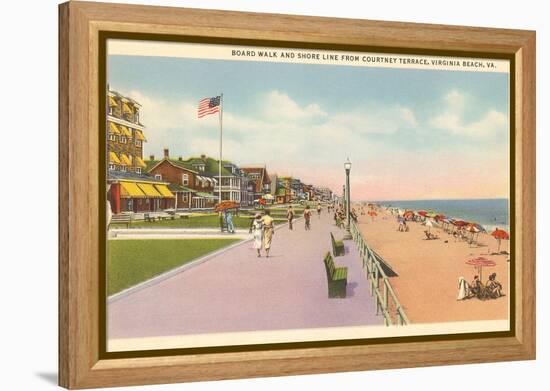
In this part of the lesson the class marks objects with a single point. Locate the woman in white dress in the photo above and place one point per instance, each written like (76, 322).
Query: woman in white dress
(257, 230)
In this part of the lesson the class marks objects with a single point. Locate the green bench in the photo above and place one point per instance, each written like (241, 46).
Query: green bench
(337, 278)
(119, 219)
(337, 246)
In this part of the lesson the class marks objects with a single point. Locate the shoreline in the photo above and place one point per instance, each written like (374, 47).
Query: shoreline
(469, 215)
(428, 270)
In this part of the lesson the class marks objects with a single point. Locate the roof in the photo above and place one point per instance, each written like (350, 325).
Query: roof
(175, 162)
(263, 177)
(121, 96)
(179, 188)
(211, 166)
(131, 176)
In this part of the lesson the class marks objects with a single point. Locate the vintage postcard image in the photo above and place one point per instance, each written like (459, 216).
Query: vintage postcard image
(263, 195)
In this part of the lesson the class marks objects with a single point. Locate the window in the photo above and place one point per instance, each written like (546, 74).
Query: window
(112, 167)
(158, 176)
(123, 168)
(112, 137)
(185, 179)
(138, 143)
(123, 139)
(138, 170)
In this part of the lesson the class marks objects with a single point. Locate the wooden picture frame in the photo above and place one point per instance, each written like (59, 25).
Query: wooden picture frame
(81, 364)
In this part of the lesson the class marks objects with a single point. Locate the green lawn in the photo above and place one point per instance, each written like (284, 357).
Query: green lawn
(130, 262)
(196, 221)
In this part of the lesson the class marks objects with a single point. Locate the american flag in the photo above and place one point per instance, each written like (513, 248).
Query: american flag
(209, 106)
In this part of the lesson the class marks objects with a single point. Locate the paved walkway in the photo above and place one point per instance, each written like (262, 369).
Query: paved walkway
(237, 291)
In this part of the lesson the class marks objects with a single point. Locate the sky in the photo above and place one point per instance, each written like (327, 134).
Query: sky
(410, 134)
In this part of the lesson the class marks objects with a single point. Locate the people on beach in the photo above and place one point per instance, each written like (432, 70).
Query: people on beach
(402, 224)
(229, 222)
(268, 231)
(463, 289)
(290, 217)
(494, 288)
(307, 218)
(319, 209)
(257, 230)
(476, 287)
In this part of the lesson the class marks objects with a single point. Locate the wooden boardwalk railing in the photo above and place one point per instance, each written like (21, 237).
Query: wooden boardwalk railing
(379, 284)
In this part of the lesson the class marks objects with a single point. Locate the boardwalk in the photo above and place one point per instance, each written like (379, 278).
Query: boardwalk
(236, 291)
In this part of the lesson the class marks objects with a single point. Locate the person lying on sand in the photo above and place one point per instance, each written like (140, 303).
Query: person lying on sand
(430, 236)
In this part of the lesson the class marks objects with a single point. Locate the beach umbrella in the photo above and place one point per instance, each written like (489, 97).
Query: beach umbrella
(431, 215)
(460, 223)
(422, 213)
(473, 229)
(408, 214)
(500, 234)
(479, 263)
(224, 205)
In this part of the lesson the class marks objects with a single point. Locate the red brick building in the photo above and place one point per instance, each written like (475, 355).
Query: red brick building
(192, 187)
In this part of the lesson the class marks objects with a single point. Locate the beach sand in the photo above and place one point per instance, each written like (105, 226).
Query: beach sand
(428, 270)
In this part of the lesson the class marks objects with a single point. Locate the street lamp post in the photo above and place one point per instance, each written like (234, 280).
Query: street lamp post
(343, 200)
(347, 236)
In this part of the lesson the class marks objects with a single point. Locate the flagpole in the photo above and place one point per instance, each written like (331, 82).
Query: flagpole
(220, 162)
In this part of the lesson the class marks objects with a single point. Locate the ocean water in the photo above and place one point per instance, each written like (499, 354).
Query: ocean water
(490, 213)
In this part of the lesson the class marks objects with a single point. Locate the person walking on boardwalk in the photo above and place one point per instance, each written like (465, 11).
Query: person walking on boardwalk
(257, 231)
(290, 216)
(268, 231)
(307, 217)
(319, 209)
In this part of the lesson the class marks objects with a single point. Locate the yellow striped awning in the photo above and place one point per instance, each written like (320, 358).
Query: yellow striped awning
(130, 190)
(149, 190)
(125, 131)
(139, 135)
(163, 189)
(139, 162)
(113, 158)
(126, 109)
(112, 102)
(113, 128)
(124, 159)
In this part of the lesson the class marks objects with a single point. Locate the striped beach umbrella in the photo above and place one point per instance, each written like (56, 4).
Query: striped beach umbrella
(479, 263)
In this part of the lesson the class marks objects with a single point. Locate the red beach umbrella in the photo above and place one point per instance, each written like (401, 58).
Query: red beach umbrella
(460, 223)
(224, 205)
(479, 263)
(422, 213)
(500, 234)
(408, 214)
